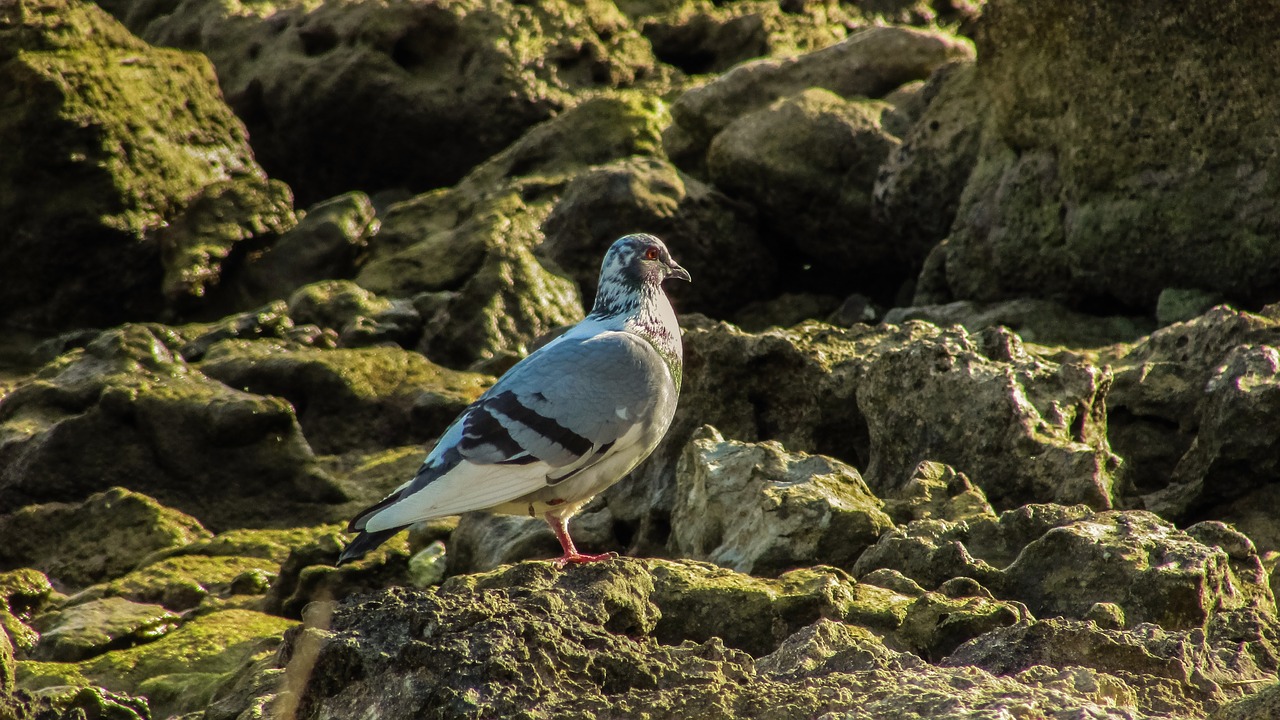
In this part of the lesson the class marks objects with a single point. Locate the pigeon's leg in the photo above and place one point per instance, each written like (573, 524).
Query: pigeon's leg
(560, 526)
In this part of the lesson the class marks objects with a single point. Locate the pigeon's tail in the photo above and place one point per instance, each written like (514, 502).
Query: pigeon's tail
(364, 543)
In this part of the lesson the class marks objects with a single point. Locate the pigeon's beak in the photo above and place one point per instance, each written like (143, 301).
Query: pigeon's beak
(675, 271)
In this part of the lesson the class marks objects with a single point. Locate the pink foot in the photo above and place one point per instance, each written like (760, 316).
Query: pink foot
(578, 558)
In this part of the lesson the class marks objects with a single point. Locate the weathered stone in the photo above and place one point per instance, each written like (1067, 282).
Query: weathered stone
(1181, 304)
(589, 634)
(785, 310)
(937, 491)
(1042, 322)
(1024, 429)
(113, 138)
(934, 625)
(24, 593)
(758, 509)
(1180, 673)
(710, 235)
(1263, 705)
(1186, 379)
(82, 631)
(327, 242)
(870, 63)
(1093, 186)
(351, 399)
(125, 411)
(308, 574)
(99, 539)
(215, 223)
(1142, 564)
(178, 672)
(376, 96)
(808, 162)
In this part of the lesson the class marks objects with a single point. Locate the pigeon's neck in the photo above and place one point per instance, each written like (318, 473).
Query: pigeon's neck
(643, 310)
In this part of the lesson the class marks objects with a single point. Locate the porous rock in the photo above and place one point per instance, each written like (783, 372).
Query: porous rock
(111, 138)
(376, 96)
(758, 509)
(98, 539)
(1091, 185)
(712, 236)
(351, 399)
(88, 629)
(126, 411)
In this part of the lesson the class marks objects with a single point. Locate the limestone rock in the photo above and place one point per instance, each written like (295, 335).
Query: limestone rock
(328, 241)
(937, 491)
(125, 411)
(351, 399)
(24, 593)
(115, 137)
(757, 509)
(376, 96)
(1091, 186)
(597, 639)
(1155, 573)
(357, 317)
(1042, 322)
(99, 539)
(1024, 429)
(808, 162)
(82, 631)
(712, 236)
(870, 62)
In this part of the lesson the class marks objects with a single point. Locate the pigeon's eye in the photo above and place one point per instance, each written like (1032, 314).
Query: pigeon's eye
(651, 253)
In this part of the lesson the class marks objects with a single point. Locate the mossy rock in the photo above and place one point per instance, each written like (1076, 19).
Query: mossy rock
(182, 669)
(99, 539)
(352, 399)
(125, 410)
(110, 139)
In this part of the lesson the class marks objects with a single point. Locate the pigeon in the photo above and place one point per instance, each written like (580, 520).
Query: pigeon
(564, 423)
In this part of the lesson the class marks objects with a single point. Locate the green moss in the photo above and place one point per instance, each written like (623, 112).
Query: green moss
(181, 582)
(34, 675)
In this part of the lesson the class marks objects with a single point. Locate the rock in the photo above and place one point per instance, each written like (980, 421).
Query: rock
(82, 631)
(937, 491)
(1025, 429)
(377, 96)
(178, 672)
(1155, 573)
(351, 399)
(1181, 304)
(219, 221)
(757, 509)
(24, 593)
(1171, 673)
(116, 138)
(870, 62)
(308, 574)
(713, 237)
(485, 541)
(466, 252)
(71, 701)
(918, 187)
(1262, 705)
(934, 625)
(842, 382)
(126, 411)
(808, 162)
(1091, 186)
(1183, 381)
(785, 310)
(596, 638)
(1042, 322)
(328, 241)
(99, 539)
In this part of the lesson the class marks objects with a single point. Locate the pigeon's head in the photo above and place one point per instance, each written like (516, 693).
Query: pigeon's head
(638, 260)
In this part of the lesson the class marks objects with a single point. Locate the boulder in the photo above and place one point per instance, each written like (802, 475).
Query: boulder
(357, 317)
(1043, 322)
(870, 62)
(808, 162)
(99, 539)
(126, 411)
(113, 139)
(758, 509)
(374, 96)
(1027, 430)
(601, 639)
(710, 235)
(86, 630)
(1094, 187)
(351, 399)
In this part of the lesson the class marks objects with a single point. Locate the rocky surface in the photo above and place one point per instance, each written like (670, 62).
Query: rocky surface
(980, 401)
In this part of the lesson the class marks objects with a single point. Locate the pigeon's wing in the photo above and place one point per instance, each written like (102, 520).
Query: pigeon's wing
(558, 412)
